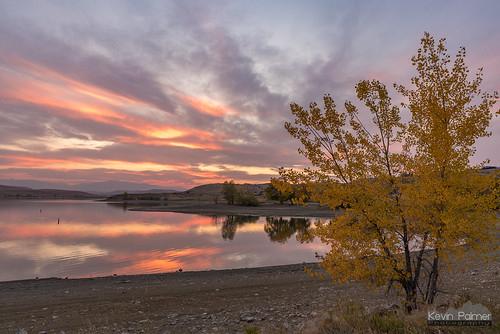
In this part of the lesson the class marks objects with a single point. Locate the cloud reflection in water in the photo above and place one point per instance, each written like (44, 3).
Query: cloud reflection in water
(95, 239)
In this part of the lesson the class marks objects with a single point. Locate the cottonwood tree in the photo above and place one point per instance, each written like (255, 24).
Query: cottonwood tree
(229, 192)
(412, 199)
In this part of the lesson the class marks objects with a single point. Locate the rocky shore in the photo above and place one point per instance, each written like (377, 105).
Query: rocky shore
(281, 299)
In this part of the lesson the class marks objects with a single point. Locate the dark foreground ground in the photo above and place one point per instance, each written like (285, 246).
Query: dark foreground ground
(281, 299)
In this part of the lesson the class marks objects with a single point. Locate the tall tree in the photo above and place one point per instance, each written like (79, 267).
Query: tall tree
(229, 192)
(408, 188)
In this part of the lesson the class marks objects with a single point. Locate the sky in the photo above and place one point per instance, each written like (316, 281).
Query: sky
(181, 93)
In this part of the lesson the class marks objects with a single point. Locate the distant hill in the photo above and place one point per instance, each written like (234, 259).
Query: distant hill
(206, 192)
(489, 169)
(106, 188)
(10, 192)
(216, 188)
(140, 192)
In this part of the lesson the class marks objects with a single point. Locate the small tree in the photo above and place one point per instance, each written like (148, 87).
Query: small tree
(408, 188)
(229, 192)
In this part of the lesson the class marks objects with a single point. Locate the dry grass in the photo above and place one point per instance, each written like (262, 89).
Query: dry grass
(353, 318)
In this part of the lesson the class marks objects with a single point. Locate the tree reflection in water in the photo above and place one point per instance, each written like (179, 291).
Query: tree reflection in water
(281, 229)
(278, 229)
(231, 223)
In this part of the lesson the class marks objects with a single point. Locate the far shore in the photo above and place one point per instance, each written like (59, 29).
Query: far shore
(311, 210)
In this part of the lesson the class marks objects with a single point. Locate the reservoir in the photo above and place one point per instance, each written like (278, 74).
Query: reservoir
(76, 238)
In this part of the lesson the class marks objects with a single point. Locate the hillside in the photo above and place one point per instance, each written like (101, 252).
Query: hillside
(10, 192)
(102, 188)
(207, 192)
(216, 188)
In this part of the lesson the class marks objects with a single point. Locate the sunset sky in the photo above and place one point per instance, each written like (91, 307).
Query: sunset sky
(181, 93)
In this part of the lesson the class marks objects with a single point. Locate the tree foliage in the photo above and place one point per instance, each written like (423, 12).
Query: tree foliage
(290, 190)
(412, 199)
(272, 193)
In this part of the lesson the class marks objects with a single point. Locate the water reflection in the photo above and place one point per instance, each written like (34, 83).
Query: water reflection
(281, 229)
(231, 223)
(95, 239)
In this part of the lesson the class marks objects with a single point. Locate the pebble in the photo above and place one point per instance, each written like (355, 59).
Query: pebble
(247, 318)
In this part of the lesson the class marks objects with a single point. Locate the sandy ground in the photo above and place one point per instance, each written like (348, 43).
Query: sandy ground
(312, 210)
(281, 299)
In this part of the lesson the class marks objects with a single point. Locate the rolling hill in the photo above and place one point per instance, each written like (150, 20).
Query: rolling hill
(10, 192)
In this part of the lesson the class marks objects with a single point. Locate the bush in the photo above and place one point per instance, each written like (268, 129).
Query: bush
(246, 199)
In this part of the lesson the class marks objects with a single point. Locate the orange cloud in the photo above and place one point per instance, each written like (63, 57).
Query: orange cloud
(44, 73)
(186, 142)
(73, 99)
(147, 125)
(81, 163)
(206, 106)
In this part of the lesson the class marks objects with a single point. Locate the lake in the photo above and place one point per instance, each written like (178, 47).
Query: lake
(99, 239)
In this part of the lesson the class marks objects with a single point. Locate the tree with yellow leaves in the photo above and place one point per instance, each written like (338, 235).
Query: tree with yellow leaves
(411, 197)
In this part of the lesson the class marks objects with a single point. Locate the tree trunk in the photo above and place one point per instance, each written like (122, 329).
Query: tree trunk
(433, 278)
(411, 297)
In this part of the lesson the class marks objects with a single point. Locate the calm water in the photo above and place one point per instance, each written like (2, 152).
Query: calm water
(96, 239)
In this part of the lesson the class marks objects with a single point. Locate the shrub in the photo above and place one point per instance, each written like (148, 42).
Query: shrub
(252, 330)
(246, 199)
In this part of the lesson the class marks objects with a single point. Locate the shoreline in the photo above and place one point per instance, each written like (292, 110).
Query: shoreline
(275, 299)
(210, 209)
(292, 267)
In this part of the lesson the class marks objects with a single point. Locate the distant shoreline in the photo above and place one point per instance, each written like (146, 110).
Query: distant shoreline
(312, 210)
